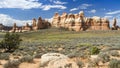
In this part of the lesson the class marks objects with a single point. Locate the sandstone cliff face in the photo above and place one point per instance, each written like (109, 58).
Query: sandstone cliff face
(78, 22)
(56, 20)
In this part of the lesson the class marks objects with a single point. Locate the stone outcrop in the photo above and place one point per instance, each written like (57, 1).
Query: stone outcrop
(36, 25)
(114, 25)
(78, 22)
(56, 20)
(14, 28)
(40, 24)
(57, 60)
(26, 28)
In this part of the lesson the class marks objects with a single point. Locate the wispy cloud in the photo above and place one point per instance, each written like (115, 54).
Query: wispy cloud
(74, 9)
(9, 21)
(59, 2)
(92, 11)
(82, 6)
(114, 12)
(108, 16)
(48, 7)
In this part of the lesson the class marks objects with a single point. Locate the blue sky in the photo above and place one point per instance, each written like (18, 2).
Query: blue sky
(22, 11)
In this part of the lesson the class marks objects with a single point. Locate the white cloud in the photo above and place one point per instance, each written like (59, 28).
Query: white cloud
(48, 7)
(74, 9)
(84, 6)
(108, 16)
(59, 2)
(29, 4)
(9, 21)
(22, 4)
(114, 12)
(92, 11)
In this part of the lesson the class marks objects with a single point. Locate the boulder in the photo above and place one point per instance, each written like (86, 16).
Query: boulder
(46, 58)
(62, 63)
(57, 60)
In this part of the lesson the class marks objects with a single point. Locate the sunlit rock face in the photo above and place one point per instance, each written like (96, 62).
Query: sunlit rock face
(78, 22)
(26, 27)
(14, 28)
(56, 20)
(63, 18)
(34, 24)
(105, 24)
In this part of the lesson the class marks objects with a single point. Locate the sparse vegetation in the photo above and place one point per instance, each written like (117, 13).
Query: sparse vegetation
(79, 63)
(12, 64)
(114, 63)
(28, 59)
(4, 56)
(104, 57)
(73, 44)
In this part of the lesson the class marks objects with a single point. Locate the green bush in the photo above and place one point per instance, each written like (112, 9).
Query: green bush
(12, 64)
(114, 63)
(10, 42)
(94, 50)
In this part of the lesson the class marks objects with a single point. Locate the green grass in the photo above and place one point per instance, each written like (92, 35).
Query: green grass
(51, 35)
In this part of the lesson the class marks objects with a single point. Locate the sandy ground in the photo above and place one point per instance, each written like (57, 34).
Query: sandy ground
(35, 64)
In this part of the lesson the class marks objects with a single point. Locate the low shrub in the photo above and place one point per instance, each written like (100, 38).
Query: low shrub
(114, 63)
(12, 64)
(94, 62)
(104, 57)
(114, 53)
(94, 50)
(79, 63)
(4, 56)
(28, 59)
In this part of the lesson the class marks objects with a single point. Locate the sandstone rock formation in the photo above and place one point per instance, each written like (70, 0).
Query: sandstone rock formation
(114, 25)
(40, 24)
(36, 25)
(26, 27)
(78, 22)
(56, 60)
(14, 28)
(56, 20)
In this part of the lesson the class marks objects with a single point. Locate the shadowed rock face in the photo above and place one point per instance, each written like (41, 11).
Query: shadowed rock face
(114, 26)
(78, 22)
